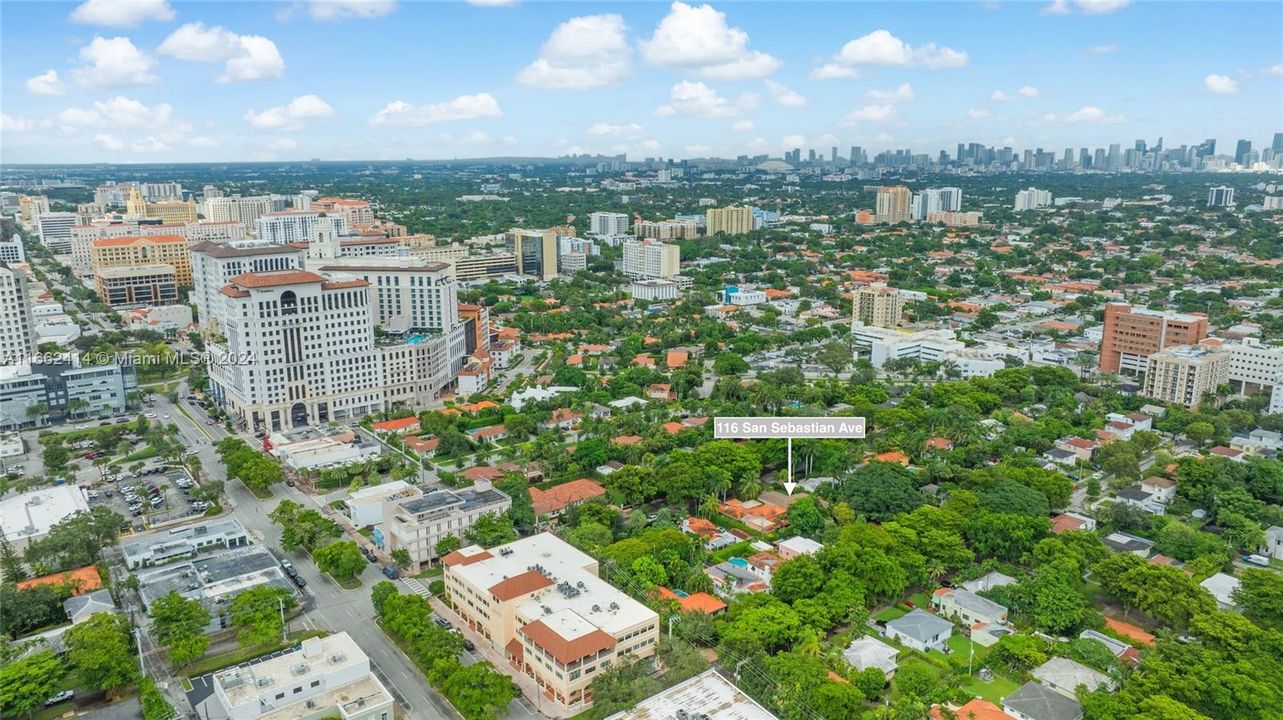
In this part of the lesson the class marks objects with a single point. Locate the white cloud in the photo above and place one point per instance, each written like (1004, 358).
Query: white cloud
(202, 142)
(793, 141)
(1102, 49)
(245, 57)
(742, 126)
(1086, 115)
(465, 107)
(46, 83)
(784, 96)
(582, 53)
(630, 130)
(870, 113)
(118, 13)
(977, 113)
(881, 48)
(695, 99)
(1101, 7)
(107, 141)
(113, 62)
(1220, 85)
(290, 116)
(16, 124)
(151, 144)
(475, 137)
(1086, 7)
(699, 40)
(120, 113)
(1274, 69)
(904, 93)
(1027, 91)
(282, 144)
(333, 10)
(832, 71)
(698, 150)
(999, 96)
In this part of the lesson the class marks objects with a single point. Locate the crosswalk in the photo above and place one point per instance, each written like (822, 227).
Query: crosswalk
(416, 586)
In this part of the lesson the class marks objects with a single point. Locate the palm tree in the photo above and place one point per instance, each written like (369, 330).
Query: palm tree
(810, 644)
(709, 507)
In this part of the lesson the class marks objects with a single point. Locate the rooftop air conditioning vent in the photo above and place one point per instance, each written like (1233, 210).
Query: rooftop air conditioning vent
(299, 669)
(263, 681)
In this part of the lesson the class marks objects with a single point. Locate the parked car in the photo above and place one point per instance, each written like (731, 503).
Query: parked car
(1257, 560)
(63, 696)
(289, 568)
(391, 572)
(468, 645)
(299, 580)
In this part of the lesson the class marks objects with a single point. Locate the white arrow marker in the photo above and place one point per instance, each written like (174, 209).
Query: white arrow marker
(790, 486)
(788, 481)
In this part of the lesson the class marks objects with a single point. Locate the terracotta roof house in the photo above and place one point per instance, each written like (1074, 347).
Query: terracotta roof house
(626, 440)
(892, 456)
(423, 447)
(552, 502)
(942, 444)
(399, 426)
(82, 580)
(676, 359)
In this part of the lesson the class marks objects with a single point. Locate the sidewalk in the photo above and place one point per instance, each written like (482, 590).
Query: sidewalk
(529, 689)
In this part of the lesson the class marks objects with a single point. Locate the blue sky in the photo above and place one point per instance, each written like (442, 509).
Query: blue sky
(155, 80)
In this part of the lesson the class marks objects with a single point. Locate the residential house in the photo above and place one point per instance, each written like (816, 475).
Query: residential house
(1222, 587)
(867, 651)
(491, 434)
(1160, 489)
(1258, 442)
(790, 548)
(80, 608)
(920, 630)
(1228, 453)
(763, 565)
(421, 446)
(661, 391)
(1142, 500)
(938, 444)
(551, 503)
(974, 709)
(1120, 649)
(675, 359)
(1034, 701)
(1082, 449)
(1065, 676)
(759, 516)
(1273, 542)
(714, 537)
(1126, 542)
(1060, 457)
(693, 602)
(561, 419)
(1066, 522)
(968, 607)
(989, 581)
(399, 426)
(733, 577)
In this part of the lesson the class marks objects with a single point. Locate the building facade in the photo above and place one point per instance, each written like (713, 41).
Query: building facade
(17, 326)
(134, 251)
(646, 259)
(1133, 334)
(732, 220)
(878, 305)
(416, 518)
(151, 284)
(1184, 374)
(214, 264)
(39, 393)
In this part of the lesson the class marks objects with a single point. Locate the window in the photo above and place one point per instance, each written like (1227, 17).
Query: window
(316, 683)
(298, 689)
(280, 695)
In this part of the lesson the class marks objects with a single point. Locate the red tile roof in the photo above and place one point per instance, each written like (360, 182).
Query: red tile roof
(275, 278)
(85, 579)
(458, 558)
(701, 602)
(519, 585)
(558, 497)
(567, 651)
(397, 424)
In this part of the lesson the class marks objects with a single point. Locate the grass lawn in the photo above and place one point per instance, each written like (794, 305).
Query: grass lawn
(351, 583)
(431, 573)
(920, 600)
(240, 655)
(891, 613)
(991, 691)
(264, 495)
(147, 452)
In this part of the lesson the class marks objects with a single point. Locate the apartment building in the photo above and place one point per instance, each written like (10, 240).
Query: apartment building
(417, 518)
(17, 327)
(240, 209)
(539, 600)
(82, 236)
(214, 264)
(54, 229)
(295, 226)
(732, 220)
(479, 267)
(609, 223)
(647, 259)
(31, 207)
(12, 250)
(889, 343)
(323, 677)
(356, 213)
(303, 347)
(878, 305)
(667, 229)
(1131, 335)
(1031, 199)
(893, 205)
(149, 284)
(1183, 374)
(536, 250)
(133, 251)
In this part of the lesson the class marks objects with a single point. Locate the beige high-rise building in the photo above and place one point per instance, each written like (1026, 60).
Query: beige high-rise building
(894, 204)
(115, 252)
(539, 601)
(17, 328)
(666, 229)
(878, 305)
(644, 259)
(536, 250)
(1183, 374)
(732, 220)
(170, 212)
(31, 207)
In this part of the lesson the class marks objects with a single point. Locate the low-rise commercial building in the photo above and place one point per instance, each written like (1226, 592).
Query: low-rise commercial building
(324, 677)
(39, 393)
(416, 518)
(183, 543)
(27, 517)
(539, 600)
(153, 284)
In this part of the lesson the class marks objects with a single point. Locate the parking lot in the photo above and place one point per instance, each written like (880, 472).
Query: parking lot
(154, 494)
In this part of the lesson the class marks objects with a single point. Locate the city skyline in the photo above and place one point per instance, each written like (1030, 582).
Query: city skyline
(161, 82)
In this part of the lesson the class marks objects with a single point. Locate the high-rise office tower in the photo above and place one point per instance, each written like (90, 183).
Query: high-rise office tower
(1115, 157)
(833, 154)
(1140, 146)
(1241, 151)
(1277, 145)
(1131, 335)
(17, 328)
(1098, 159)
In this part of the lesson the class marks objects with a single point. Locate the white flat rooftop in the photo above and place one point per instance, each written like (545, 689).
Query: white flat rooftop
(708, 693)
(30, 515)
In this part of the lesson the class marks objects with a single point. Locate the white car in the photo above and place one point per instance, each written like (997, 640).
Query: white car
(150, 415)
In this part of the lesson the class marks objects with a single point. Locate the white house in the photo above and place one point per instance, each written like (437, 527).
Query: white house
(920, 630)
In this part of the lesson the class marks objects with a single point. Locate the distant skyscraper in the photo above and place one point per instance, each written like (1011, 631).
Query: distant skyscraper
(833, 154)
(1098, 159)
(810, 156)
(1084, 158)
(1115, 157)
(1277, 145)
(1140, 146)
(1241, 151)
(1207, 149)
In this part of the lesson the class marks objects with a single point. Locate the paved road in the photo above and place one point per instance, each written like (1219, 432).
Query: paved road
(332, 608)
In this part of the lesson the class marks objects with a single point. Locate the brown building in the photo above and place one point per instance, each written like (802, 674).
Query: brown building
(1131, 335)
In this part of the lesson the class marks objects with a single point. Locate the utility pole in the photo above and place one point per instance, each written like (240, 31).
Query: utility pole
(284, 629)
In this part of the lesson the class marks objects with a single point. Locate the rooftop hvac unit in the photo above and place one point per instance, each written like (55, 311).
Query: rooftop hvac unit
(263, 681)
(614, 606)
(337, 658)
(299, 669)
(596, 608)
